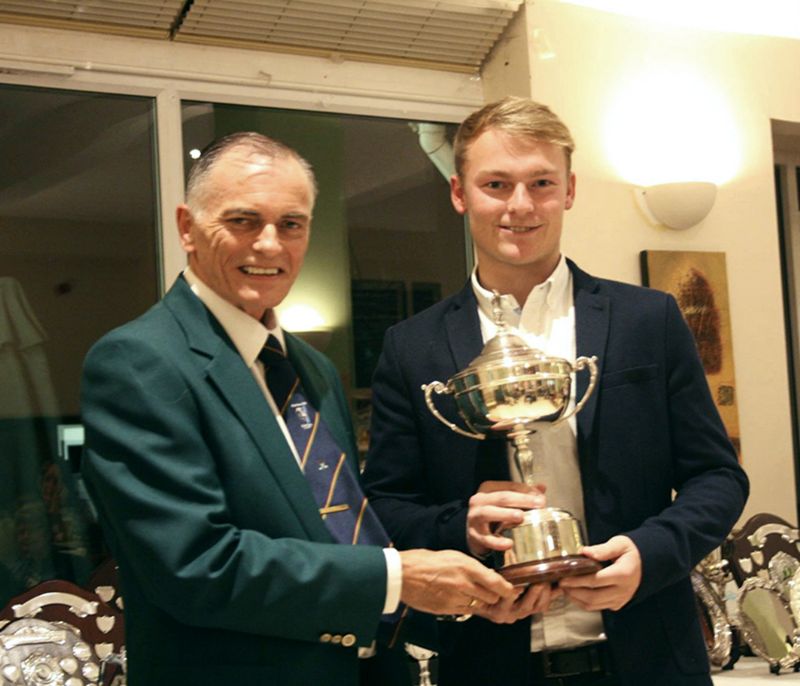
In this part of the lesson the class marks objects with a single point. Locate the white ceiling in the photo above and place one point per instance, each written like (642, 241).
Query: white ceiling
(780, 18)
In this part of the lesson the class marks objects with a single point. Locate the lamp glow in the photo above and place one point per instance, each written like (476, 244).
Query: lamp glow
(301, 318)
(669, 124)
(307, 323)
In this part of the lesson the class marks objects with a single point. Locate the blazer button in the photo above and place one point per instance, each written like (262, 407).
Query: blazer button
(348, 640)
(337, 639)
(325, 638)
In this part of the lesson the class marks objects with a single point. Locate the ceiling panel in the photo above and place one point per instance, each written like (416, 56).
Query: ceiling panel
(154, 16)
(454, 34)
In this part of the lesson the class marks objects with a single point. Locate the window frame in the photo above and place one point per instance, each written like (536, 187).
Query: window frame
(414, 97)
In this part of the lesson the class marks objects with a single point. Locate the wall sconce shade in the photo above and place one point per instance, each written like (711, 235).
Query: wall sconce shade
(677, 205)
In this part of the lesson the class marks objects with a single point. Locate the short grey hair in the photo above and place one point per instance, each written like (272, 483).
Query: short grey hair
(247, 140)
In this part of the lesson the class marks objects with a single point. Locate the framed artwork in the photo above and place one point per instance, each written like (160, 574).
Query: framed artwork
(699, 283)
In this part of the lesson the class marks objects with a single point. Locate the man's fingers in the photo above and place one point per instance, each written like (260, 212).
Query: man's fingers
(581, 581)
(491, 486)
(610, 550)
(606, 598)
(449, 582)
(491, 515)
(614, 585)
(491, 541)
(535, 598)
(490, 511)
(507, 499)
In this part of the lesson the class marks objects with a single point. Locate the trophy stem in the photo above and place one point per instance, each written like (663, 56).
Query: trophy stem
(523, 455)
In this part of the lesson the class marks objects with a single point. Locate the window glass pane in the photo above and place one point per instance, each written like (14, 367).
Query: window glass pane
(77, 257)
(385, 241)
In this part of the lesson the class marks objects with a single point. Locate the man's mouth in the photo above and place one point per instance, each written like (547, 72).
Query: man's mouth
(518, 229)
(259, 271)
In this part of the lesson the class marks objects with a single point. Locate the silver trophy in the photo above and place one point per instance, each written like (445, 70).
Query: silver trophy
(517, 390)
(422, 656)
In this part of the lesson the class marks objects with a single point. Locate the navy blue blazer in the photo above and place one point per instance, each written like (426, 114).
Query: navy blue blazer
(229, 574)
(649, 429)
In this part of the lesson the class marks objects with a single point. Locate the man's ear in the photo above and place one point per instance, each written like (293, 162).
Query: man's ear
(570, 192)
(185, 221)
(457, 194)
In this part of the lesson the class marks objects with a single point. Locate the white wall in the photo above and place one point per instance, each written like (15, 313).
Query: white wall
(754, 79)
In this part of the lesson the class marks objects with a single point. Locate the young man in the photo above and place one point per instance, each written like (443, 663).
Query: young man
(229, 507)
(650, 428)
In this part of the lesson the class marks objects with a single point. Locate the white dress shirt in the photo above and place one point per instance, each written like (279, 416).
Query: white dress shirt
(547, 322)
(249, 336)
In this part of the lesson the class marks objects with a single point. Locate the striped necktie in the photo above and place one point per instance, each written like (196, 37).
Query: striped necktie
(342, 504)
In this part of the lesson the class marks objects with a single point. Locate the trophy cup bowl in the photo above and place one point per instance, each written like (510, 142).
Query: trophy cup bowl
(517, 390)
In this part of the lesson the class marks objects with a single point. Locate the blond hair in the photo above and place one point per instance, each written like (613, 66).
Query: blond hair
(519, 117)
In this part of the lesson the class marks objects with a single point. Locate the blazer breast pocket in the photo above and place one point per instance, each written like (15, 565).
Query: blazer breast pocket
(630, 376)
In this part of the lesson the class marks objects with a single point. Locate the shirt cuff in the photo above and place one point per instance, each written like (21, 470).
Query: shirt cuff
(394, 580)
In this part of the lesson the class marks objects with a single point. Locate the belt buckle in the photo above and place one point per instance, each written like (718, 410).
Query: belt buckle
(568, 663)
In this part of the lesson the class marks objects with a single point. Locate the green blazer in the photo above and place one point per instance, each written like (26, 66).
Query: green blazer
(229, 575)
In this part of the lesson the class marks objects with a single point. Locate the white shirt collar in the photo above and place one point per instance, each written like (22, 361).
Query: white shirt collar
(554, 292)
(247, 333)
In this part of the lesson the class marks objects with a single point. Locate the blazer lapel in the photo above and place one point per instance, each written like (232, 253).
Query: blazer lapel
(230, 378)
(592, 312)
(463, 329)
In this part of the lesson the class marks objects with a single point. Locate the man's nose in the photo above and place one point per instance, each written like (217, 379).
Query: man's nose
(520, 200)
(267, 239)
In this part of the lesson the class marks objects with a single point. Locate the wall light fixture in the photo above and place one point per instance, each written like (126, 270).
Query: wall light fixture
(677, 205)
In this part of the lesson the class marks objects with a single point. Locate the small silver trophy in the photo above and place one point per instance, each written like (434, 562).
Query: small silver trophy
(517, 390)
(422, 656)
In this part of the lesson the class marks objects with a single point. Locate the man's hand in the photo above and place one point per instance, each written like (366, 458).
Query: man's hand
(446, 582)
(498, 505)
(535, 598)
(612, 586)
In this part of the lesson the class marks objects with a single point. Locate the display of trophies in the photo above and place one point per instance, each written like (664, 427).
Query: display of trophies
(517, 390)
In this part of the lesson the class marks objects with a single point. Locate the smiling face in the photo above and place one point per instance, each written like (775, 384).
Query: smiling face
(514, 192)
(247, 231)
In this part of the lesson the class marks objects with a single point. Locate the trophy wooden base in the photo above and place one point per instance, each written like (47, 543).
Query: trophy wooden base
(547, 571)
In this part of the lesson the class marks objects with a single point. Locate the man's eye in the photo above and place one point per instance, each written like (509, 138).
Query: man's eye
(542, 183)
(495, 185)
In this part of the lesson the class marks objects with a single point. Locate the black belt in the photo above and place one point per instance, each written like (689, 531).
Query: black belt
(592, 661)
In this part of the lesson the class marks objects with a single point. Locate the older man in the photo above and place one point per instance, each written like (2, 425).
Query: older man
(222, 460)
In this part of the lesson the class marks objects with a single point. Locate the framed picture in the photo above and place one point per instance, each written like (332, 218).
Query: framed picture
(699, 283)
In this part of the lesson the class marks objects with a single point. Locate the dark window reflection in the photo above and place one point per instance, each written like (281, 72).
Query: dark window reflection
(77, 257)
(385, 241)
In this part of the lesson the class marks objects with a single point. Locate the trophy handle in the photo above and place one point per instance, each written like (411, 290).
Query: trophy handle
(438, 387)
(581, 363)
